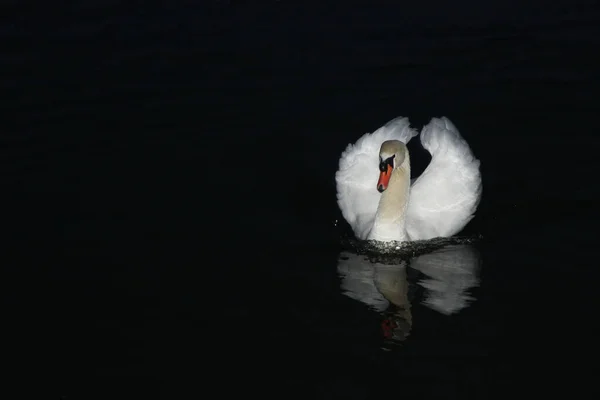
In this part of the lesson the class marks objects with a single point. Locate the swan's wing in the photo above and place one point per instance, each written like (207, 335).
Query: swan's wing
(358, 172)
(444, 198)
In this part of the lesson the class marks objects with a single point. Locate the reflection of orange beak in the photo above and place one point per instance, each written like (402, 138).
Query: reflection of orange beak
(384, 179)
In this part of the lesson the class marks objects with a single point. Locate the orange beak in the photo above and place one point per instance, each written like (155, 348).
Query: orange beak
(384, 179)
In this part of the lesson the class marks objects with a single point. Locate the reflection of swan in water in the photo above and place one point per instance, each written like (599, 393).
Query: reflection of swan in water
(382, 287)
(449, 272)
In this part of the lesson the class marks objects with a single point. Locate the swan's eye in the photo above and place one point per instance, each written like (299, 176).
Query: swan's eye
(383, 164)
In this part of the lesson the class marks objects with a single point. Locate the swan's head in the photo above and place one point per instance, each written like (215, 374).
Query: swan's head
(391, 155)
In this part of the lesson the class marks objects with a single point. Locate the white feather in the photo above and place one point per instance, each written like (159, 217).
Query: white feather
(444, 198)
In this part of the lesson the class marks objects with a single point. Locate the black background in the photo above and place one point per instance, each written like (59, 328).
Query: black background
(171, 203)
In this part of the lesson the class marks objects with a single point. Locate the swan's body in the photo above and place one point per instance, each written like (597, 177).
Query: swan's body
(437, 204)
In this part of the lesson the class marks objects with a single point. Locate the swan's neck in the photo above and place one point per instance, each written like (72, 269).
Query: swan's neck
(390, 219)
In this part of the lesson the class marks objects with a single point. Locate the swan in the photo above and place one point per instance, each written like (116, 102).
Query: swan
(439, 203)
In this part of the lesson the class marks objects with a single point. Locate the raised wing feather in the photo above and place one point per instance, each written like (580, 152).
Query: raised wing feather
(444, 198)
(357, 176)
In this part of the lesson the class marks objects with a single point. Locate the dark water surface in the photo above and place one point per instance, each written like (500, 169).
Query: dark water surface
(172, 227)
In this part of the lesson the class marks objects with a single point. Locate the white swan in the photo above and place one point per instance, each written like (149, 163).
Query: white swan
(439, 203)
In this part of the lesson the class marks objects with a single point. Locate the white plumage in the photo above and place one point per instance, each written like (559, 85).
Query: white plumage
(440, 202)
